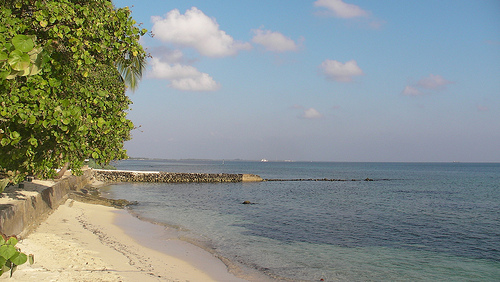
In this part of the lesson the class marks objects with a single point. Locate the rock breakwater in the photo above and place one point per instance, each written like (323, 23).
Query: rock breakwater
(171, 177)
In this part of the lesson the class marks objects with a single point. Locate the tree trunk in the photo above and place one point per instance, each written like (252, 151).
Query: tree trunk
(62, 171)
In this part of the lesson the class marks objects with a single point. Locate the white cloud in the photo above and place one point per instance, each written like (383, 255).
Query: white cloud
(341, 72)
(274, 41)
(433, 82)
(167, 54)
(311, 113)
(183, 77)
(341, 9)
(201, 82)
(411, 91)
(197, 30)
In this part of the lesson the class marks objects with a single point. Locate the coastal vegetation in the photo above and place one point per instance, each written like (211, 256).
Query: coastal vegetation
(11, 256)
(93, 164)
(65, 66)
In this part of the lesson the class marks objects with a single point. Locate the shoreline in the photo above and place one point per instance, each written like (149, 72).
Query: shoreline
(88, 242)
(169, 240)
(160, 233)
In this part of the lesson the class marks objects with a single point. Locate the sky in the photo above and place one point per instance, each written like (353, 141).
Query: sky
(325, 80)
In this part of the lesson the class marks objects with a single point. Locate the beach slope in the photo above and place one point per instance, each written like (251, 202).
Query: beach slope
(81, 242)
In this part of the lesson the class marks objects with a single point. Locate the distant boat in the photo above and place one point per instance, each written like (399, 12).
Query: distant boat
(264, 160)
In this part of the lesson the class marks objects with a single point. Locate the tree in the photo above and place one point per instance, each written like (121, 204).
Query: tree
(62, 92)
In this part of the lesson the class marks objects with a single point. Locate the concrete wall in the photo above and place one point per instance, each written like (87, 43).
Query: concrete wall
(22, 209)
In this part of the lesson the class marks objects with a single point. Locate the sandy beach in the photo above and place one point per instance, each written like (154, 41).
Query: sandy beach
(86, 242)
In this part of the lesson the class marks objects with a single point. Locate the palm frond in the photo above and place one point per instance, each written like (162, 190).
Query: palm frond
(131, 69)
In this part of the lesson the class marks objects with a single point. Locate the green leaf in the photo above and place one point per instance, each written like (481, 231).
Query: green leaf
(4, 142)
(100, 122)
(4, 74)
(9, 47)
(19, 258)
(19, 60)
(23, 43)
(12, 241)
(25, 72)
(95, 155)
(6, 268)
(12, 74)
(33, 70)
(31, 258)
(14, 135)
(33, 142)
(35, 54)
(3, 184)
(7, 251)
(32, 120)
(3, 56)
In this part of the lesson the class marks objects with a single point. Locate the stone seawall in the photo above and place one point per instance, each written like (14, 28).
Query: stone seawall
(170, 177)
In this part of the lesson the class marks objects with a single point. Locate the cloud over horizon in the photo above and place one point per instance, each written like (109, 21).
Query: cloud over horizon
(311, 113)
(432, 82)
(273, 41)
(341, 72)
(196, 30)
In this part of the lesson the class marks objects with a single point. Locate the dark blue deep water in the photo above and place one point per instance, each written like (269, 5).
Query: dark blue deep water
(413, 222)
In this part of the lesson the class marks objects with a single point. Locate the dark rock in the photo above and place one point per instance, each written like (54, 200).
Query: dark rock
(91, 199)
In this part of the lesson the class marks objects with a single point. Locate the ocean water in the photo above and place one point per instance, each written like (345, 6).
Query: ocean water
(413, 222)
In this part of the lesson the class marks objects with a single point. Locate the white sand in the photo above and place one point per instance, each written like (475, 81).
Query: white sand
(81, 242)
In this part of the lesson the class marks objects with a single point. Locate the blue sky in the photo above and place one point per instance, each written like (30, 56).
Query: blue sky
(326, 80)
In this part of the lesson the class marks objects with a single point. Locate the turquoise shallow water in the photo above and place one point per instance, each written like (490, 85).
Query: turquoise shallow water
(415, 221)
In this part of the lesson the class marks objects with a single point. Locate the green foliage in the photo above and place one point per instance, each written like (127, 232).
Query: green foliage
(7, 177)
(64, 67)
(3, 183)
(11, 256)
(20, 57)
(92, 164)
